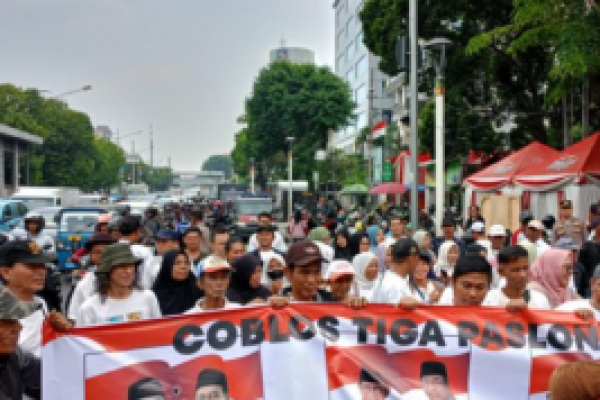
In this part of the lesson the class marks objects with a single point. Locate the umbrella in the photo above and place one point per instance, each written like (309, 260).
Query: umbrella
(357, 188)
(389, 188)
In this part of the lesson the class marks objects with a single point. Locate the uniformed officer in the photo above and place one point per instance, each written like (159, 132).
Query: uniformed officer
(568, 226)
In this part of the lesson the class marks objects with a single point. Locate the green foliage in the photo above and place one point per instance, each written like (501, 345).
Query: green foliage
(71, 155)
(495, 80)
(342, 168)
(299, 100)
(157, 178)
(219, 162)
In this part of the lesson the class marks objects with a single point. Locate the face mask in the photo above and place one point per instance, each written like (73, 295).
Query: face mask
(275, 275)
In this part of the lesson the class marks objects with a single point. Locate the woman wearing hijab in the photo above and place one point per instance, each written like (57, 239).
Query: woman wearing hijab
(272, 275)
(550, 275)
(366, 269)
(342, 247)
(175, 286)
(448, 255)
(245, 286)
(423, 240)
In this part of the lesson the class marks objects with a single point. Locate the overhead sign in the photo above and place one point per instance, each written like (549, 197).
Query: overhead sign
(319, 352)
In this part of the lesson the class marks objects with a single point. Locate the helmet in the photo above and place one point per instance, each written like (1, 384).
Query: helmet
(548, 221)
(34, 216)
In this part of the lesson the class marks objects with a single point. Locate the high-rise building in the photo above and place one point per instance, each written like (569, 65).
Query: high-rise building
(357, 66)
(296, 55)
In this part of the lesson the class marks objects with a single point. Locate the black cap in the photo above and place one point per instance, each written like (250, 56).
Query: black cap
(99, 238)
(448, 222)
(404, 248)
(147, 387)
(595, 223)
(209, 376)
(267, 227)
(425, 256)
(24, 251)
(368, 376)
(167, 234)
(434, 368)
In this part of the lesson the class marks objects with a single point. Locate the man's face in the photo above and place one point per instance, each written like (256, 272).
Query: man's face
(218, 244)
(516, 273)
(95, 253)
(122, 275)
(32, 227)
(373, 391)
(192, 241)
(471, 289)
(596, 290)
(397, 227)
(533, 234)
(566, 213)
(215, 284)
(436, 388)
(448, 231)
(9, 335)
(305, 280)
(211, 392)
(236, 251)
(340, 288)
(497, 242)
(26, 278)
(265, 238)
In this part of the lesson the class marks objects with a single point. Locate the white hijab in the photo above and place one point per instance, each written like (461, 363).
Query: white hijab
(443, 264)
(266, 261)
(360, 263)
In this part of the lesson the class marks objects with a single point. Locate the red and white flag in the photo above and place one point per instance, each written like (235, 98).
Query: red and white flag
(379, 129)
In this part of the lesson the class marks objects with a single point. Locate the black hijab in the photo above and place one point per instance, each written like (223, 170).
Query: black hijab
(174, 297)
(240, 290)
(343, 253)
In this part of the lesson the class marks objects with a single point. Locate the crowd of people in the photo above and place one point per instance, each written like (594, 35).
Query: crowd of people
(366, 262)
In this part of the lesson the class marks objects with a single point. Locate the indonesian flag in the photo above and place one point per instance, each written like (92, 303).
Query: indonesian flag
(379, 129)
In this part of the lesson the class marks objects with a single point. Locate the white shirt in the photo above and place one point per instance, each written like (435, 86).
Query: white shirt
(390, 289)
(278, 243)
(150, 273)
(541, 247)
(85, 289)
(141, 253)
(197, 309)
(537, 300)
(141, 304)
(30, 337)
(447, 298)
(419, 394)
(425, 292)
(574, 305)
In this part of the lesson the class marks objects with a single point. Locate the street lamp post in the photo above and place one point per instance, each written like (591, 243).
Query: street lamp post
(290, 140)
(439, 45)
(252, 175)
(70, 92)
(413, 14)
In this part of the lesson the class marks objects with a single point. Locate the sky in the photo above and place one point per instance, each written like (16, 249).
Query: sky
(183, 66)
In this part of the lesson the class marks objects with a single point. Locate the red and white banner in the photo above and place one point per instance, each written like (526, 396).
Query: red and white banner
(379, 129)
(319, 352)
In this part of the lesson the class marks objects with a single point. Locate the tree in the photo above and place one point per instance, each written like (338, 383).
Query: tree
(299, 100)
(107, 169)
(484, 89)
(157, 178)
(219, 162)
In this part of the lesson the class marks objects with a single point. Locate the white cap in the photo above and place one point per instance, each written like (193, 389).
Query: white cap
(339, 268)
(478, 226)
(535, 224)
(497, 230)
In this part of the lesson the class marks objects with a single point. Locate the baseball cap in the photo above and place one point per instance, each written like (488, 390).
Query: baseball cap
(339, 268)
(99, 238)
(566, 204)
(448, 222)
(404, 248)
(303, 253)
(425, 256)
(167, 234)
(214, 264)
(535, 224)
(267, 227)
(497, 230)
(566, 243)
(478, 226)
(24, 251)
(12, 308)
(595, 223)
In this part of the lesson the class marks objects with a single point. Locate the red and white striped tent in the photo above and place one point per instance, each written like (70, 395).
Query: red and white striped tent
(572, 174)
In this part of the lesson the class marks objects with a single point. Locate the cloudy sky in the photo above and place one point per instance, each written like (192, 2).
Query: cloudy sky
(184, 66)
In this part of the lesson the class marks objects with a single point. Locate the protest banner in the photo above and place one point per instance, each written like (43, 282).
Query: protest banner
(325, 351)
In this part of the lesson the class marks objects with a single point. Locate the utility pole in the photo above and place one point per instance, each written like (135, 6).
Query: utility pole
(169, 162)
(370, 133)
(151, 147)
(585, 106)
(414, 112)
(134, 161)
